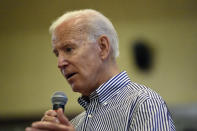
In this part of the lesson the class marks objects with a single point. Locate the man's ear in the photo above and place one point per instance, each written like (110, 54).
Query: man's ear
(104, 46)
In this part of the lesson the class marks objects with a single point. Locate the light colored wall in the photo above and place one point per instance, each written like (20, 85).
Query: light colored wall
(28, 69)
(174, 45)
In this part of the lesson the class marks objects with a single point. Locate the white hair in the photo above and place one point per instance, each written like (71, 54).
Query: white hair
(95, 22)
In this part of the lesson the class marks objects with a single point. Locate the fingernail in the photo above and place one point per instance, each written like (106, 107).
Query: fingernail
(27, 129)
(33, 124)
(60, 109)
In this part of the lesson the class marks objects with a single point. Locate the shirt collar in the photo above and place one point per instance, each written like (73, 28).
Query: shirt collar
(107, 90)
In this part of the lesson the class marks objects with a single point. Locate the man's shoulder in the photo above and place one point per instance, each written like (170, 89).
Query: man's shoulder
(140, 92)
(137, 95)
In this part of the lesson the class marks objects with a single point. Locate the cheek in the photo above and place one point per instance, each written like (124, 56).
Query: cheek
(88, 62)
(88, 71)
(91, 64)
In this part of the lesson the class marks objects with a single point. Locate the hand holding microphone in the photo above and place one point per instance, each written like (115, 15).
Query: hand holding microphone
(54, 119)
(58, 100)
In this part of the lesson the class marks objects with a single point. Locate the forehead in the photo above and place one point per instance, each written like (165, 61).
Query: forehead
(70, 30)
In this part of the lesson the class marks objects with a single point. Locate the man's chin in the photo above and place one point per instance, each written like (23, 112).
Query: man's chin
(78, 90)
(75, 88)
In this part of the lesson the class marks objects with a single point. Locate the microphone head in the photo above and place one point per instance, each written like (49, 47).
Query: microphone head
(59, 98)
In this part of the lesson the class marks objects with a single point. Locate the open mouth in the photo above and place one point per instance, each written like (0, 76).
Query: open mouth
(70, 75)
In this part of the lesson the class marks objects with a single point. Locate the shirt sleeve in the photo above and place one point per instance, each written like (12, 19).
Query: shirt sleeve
(152, 115)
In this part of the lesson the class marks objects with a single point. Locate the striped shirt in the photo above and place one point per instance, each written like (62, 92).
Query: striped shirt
(122, 105)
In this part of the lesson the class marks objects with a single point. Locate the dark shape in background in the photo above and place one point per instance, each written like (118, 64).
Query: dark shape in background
(143, 55)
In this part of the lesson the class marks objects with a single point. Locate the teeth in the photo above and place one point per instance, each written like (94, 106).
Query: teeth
(63, 72)
(67, 75)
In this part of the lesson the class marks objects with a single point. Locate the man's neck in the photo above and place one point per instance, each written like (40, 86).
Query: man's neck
(109, 70)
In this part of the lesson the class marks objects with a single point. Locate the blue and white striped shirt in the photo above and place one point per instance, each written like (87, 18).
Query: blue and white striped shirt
(121, 105)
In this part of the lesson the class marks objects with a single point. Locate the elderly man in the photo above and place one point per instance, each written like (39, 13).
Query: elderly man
(86, 45)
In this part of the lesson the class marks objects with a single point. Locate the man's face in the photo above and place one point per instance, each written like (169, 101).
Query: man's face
(78, 58)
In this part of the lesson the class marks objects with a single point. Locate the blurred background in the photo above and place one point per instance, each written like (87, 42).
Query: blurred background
(158, 48)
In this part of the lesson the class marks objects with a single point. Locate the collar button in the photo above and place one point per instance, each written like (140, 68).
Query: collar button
(105, 103)
(90, 116)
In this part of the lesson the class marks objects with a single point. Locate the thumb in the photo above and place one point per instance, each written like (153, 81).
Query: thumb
(62, 118)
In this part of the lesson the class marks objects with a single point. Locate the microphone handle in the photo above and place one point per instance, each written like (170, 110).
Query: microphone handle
(56, 106)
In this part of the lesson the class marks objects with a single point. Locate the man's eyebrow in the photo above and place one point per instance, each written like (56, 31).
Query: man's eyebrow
(67, 43)
(63, 45)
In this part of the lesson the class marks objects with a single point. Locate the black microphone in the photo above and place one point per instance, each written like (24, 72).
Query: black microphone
(59, 99)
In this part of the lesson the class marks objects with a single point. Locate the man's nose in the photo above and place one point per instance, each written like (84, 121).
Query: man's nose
(62, 62)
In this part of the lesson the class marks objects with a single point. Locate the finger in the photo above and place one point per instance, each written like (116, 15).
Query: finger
(44, 125)
(33, 129)
(50, 113)
(62, 118)
(50, 119)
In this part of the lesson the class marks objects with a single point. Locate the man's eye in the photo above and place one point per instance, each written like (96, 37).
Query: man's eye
(68, 49)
